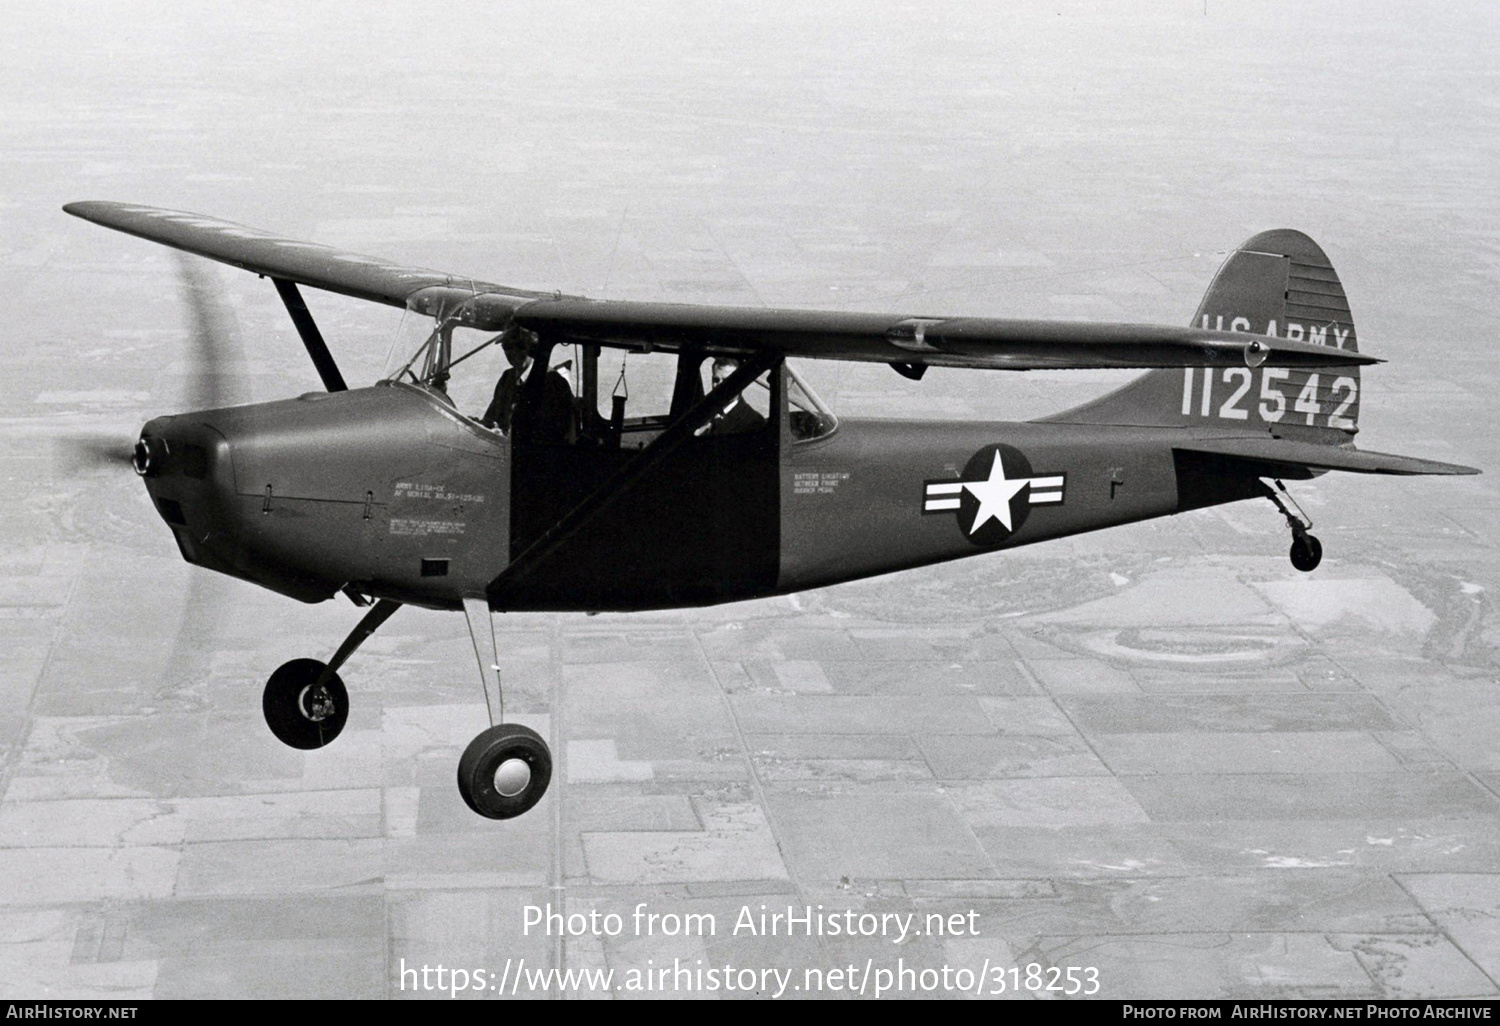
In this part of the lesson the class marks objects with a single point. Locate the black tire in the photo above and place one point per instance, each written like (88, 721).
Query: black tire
(484, 757)
(288, 714)
(1307, 552)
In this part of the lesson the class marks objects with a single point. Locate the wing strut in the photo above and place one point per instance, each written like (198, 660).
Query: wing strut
(312, 338)
(666, 443)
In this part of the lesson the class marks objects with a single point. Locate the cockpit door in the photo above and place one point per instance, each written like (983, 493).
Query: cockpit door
(700, 526)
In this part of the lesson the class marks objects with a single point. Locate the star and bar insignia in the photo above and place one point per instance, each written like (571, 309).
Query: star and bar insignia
(994, 494)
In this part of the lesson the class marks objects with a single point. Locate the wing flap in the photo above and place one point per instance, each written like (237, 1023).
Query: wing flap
(1318, 456)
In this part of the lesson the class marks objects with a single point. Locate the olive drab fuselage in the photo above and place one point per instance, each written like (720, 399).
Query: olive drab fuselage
(390, 492)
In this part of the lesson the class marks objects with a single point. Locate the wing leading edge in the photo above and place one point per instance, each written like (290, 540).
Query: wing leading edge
(990, 343)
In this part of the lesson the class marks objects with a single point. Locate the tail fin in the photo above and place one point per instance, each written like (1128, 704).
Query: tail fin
(1278, 283)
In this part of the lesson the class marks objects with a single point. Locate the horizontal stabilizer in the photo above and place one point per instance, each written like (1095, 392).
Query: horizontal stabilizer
(1318, 456)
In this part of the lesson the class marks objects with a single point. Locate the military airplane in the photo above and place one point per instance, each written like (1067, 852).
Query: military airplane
(435, 487)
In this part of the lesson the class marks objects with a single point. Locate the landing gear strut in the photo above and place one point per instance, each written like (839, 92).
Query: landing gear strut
(506, 769)
(503, 772)
(1307, 551)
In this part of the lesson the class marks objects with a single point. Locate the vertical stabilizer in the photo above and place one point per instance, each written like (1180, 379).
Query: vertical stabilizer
(1278, 283)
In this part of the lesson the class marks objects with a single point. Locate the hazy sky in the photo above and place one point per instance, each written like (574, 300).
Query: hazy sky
(1083, 160)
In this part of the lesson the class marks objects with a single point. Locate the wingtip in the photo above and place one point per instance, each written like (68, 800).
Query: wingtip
(1437, 469)
(97, 210)
(86, 209)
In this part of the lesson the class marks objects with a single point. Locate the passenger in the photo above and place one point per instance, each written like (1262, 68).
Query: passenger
(556, 417)
(736, 418)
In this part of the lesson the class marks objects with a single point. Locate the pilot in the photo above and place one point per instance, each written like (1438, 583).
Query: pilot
(556, 417)
(737, 417)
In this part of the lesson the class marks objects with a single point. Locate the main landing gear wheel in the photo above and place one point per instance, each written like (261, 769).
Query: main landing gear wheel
(301, 712)
(504, 771)
(1307, 552)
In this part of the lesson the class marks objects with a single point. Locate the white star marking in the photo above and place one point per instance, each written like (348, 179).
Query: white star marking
(994, 495)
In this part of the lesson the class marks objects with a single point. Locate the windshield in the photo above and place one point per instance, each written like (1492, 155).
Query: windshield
(809, 417)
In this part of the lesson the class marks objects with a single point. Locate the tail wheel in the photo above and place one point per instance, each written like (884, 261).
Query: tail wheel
(1307, 552)
(301, 712)
(504, 771)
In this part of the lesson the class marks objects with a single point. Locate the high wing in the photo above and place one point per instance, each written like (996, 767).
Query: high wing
(905, 341)
(989, 343)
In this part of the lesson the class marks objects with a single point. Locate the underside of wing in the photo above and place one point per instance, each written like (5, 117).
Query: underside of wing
(910, 343)
(992, 343)
(1283, 452)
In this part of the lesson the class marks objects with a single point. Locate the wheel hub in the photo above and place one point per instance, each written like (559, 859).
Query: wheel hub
(512, 777)
(316, 703)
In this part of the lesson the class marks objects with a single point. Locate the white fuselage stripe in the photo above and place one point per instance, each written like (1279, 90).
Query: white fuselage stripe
(945, 488)
(938, 505)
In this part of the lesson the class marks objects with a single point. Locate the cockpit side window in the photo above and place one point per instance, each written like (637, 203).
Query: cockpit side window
(742, 413)
(808, 417)
(584, 394)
